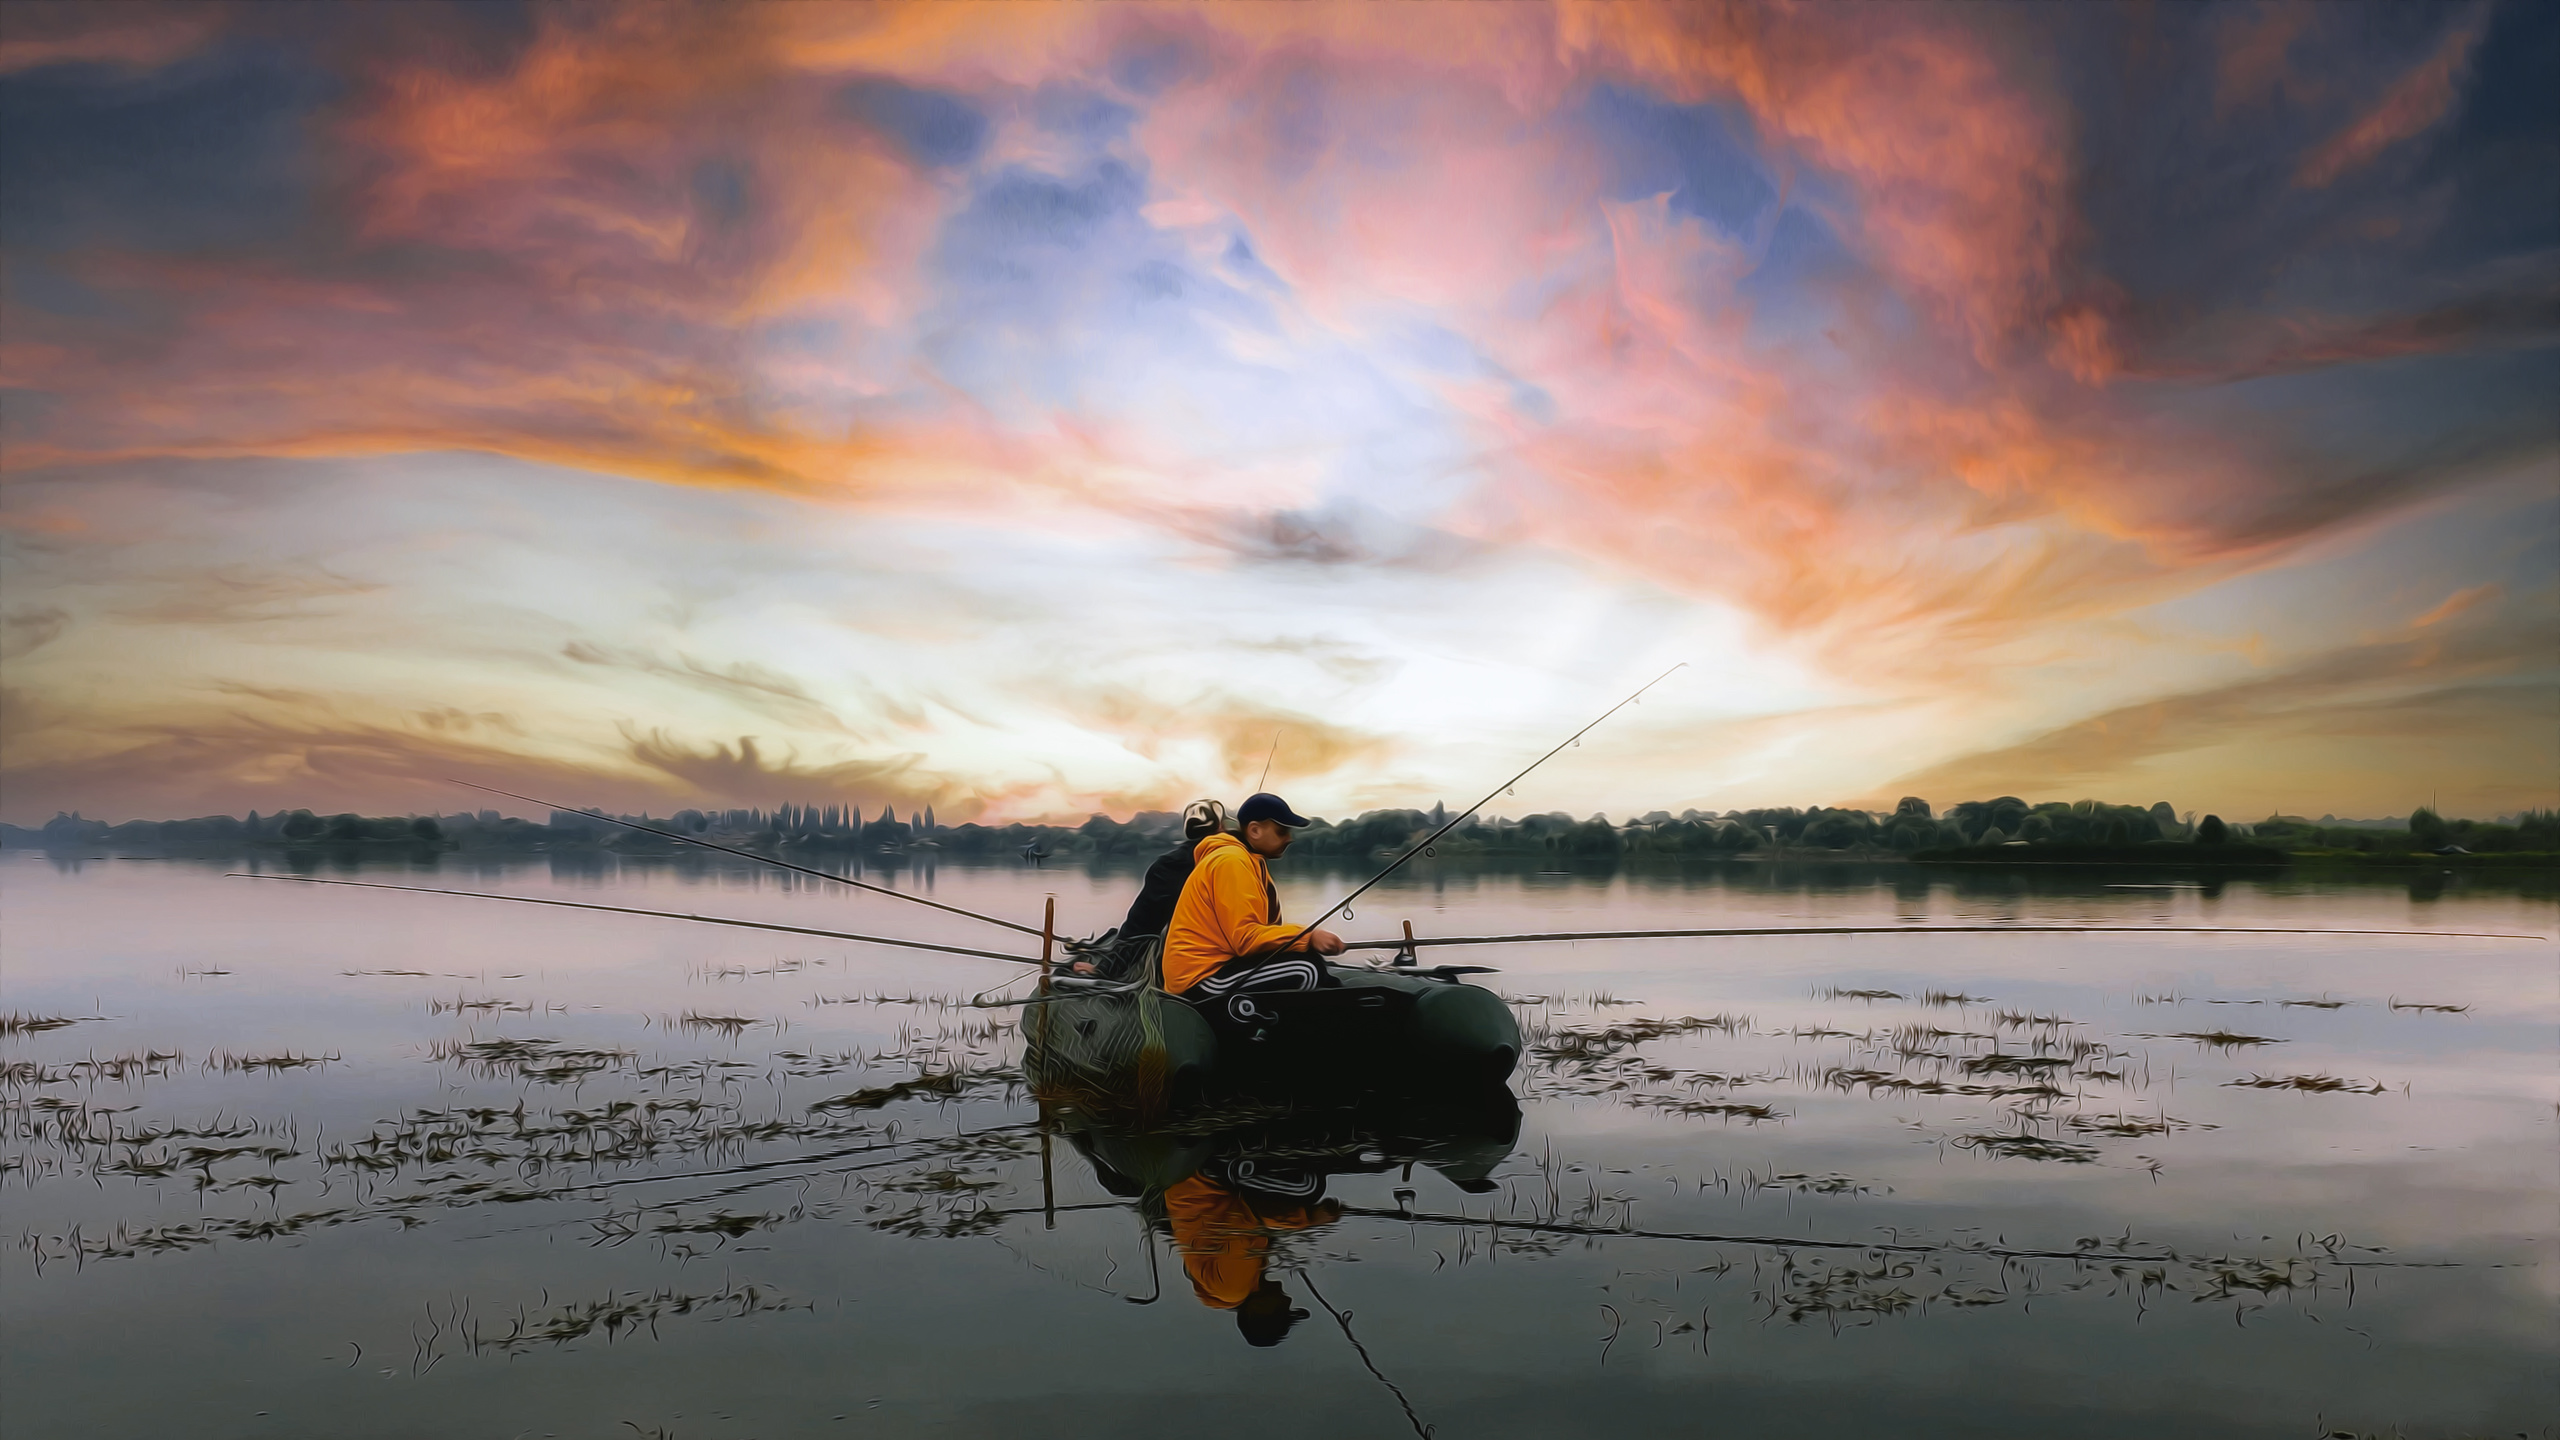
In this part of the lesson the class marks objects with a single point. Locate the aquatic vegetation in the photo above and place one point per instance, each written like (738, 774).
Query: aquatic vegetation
(1834, 992)
(20, 1023)
(612, 1315)
(2225, 1040)
(1997, 1063)
(2131, 1127)
(1581, 1044)
(548, 1062)
(2424, 1009)
(232, 1063)
(946, 1084)
(2310, 1084)
(2022, 1146)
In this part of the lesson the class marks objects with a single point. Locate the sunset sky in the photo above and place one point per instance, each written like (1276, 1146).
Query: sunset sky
(1032, 410)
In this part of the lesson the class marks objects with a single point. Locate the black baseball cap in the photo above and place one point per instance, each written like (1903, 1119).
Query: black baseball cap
(1267, 806)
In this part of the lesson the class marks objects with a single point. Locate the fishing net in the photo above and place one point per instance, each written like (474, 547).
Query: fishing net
(1099, 1046)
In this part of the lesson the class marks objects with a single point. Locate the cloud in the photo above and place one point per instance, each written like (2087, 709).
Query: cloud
(2255, 44)
(136, 34)
(241, 595)
(1929, 341)
(2410, 108)
(29, 628)
(2460, 602)
(2488, 683)
(1240, 732)
(755, 687)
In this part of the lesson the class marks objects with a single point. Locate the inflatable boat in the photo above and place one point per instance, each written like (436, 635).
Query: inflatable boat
(1370, 1028)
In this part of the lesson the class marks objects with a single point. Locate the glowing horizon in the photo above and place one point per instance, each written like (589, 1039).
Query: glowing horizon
(1031, 412)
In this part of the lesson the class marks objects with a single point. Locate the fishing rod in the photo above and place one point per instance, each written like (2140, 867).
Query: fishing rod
(655, 914)
(1414, 941)
(1455, 821)
(751, 855)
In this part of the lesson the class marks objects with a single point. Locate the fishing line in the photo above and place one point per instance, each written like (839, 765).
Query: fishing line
(751, 855)
(655, 914)
(1343, 905)
(1343, 1319)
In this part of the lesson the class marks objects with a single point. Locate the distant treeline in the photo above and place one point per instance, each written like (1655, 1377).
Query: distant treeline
(2078, 829)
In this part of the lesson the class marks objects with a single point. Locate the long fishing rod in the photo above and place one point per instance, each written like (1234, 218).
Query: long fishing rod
(751, 855)
(1910, 930)
(1460, 818)
(655, 914)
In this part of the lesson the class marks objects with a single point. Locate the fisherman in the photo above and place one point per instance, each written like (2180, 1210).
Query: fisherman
(1226, 938)
(1152, 911)
(1116, 952)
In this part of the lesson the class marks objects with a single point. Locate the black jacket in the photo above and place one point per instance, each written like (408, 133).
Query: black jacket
(1152, 911)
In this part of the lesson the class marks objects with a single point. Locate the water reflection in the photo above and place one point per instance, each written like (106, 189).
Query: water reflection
(549, 1173)
(1223, 1184)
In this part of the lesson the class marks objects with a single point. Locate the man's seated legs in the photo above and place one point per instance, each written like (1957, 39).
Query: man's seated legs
(1246, 974)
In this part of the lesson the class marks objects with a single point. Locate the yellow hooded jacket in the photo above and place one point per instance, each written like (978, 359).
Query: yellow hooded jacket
(1226, 910)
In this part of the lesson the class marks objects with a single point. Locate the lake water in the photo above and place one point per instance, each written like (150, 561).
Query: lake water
(345, 1163)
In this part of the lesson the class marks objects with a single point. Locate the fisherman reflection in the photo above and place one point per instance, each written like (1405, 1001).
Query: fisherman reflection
(1224, 1220)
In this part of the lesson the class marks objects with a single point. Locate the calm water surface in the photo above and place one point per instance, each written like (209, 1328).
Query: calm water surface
(333, 1162)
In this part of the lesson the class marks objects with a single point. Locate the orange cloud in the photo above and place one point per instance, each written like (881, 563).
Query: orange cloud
(135, 33)
(2457, 603)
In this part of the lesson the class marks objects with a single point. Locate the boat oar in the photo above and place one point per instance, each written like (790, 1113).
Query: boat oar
(751, 855)
(1410, 940)
(658, 915)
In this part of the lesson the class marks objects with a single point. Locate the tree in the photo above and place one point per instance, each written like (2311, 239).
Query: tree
(426, 828)
(2426, 827)
(2212, 831)
(301, 825)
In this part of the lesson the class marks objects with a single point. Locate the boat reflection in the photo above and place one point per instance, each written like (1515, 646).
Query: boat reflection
(1225, 1183)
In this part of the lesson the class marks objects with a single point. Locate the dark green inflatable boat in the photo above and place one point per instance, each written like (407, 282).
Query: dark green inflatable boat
(1377, 1028)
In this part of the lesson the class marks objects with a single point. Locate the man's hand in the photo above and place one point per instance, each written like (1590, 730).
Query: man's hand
(1324, 942)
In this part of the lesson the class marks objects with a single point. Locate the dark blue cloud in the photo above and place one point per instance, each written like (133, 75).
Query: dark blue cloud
(1699, 153)
(935, 129)
(1022, 211)
(2501, 155)
(210, 153)
(2191, 197)
(1084, 114)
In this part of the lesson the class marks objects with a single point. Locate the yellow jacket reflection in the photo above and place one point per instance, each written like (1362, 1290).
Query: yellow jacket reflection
(1225, 1239)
